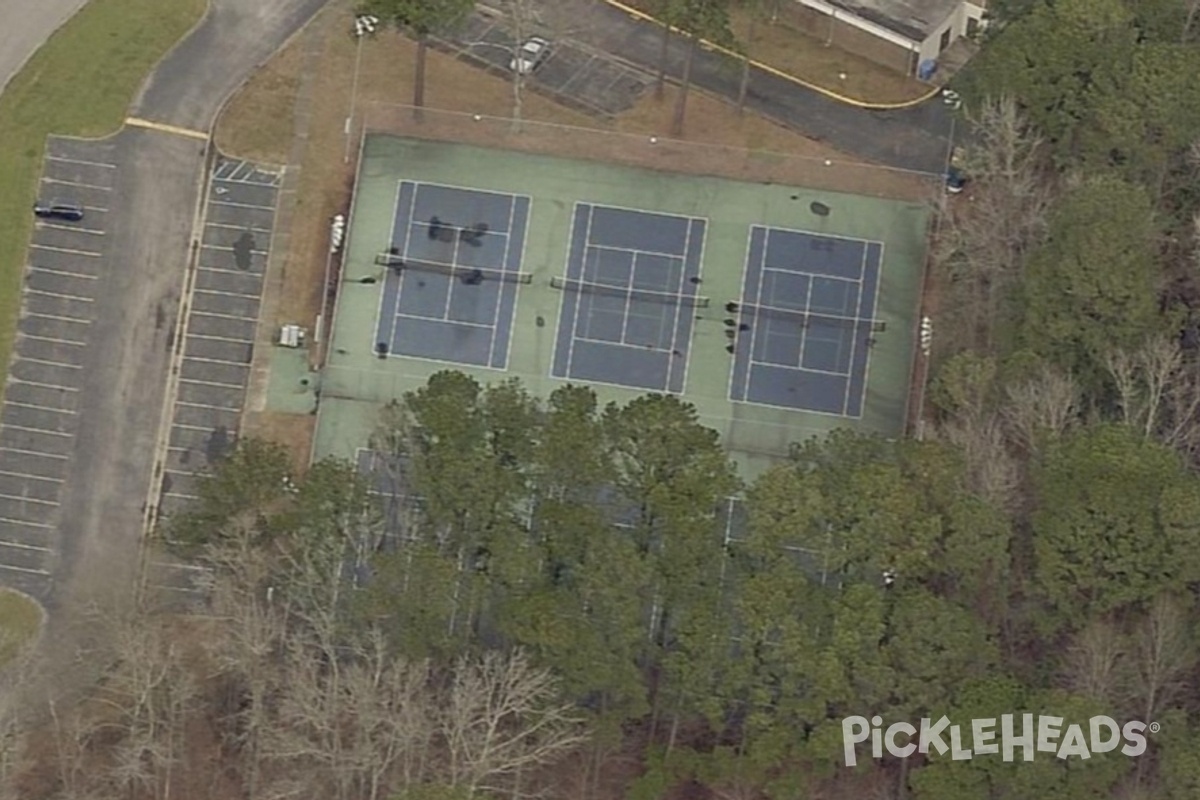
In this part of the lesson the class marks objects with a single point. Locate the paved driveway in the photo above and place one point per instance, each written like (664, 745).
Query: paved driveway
(26, 27)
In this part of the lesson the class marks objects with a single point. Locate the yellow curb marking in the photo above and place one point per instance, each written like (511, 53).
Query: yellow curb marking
(164, 128)
(832, 95)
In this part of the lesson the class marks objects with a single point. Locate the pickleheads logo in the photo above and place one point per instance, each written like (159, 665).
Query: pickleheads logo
(1047, 735)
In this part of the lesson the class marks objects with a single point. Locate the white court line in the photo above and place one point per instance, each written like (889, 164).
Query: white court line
(67, 250)
(73, 320)
(26, 522)
(11, 568)
(81, 161)
(35, 337)
(60, 296)
(77, 183)
(47, 362)
(8, 426)
(29, 500)
(212, 383)
(447, 320)
(219, 338)
(636, 252)
(241, 205)
(205, 405)
(48, 271)
(14, 403)
(54, 227)
(27, 476)
(255, 297)
(20, 546)
(21, 452)
(41, 385)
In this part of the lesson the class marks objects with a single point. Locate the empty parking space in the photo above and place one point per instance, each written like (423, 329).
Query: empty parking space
(221, 325)
(65, 261)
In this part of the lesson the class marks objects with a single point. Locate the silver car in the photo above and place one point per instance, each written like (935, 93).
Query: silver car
(533, 52)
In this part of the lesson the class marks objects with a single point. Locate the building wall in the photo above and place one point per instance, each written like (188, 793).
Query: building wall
(854, 38)
(956, 23)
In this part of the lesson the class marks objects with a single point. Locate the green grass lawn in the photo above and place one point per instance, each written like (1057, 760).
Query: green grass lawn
(78, 84)
(20, 618)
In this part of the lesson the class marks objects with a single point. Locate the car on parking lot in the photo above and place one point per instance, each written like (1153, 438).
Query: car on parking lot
(530, 56)
(58, 209)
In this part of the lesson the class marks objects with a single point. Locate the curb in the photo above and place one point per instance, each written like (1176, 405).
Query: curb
(832, 95)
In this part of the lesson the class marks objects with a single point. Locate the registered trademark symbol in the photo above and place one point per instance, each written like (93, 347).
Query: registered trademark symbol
(1155, 727)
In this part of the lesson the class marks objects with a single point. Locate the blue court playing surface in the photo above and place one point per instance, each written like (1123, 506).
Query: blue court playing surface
(454, 271)
(630, 296)
(805, 322)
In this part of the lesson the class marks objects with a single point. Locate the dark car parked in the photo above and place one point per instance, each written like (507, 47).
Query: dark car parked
(58, 209)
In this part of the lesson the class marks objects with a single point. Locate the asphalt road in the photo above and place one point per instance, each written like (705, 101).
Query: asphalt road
(913, 138)
(26, 26)
(120, 373)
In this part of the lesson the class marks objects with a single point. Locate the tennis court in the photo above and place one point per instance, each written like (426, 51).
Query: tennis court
(804, 326)
(452, 268)
(632, 282)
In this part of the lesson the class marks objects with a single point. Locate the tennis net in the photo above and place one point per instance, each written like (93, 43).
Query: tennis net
(806, 319)
(666, 298)
(463, 273)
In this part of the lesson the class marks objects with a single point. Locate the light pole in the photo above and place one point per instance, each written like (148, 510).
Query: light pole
(363, 26)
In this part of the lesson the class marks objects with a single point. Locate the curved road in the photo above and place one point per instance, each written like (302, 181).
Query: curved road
(27, 26)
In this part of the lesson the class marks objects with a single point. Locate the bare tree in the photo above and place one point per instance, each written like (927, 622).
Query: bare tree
(1092, 661)
(982, 243)
(1161, 656)
(502, 716)
(992, 472)
(1047, 404)
(1158, 392)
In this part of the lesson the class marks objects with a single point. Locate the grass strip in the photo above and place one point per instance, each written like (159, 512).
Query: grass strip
(80, 83)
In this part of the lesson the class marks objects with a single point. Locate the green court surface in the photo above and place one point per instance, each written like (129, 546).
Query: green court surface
(355, 382)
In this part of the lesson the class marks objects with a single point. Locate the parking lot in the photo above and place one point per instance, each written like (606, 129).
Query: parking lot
(221, 322)
(584, 77)
(42, 399)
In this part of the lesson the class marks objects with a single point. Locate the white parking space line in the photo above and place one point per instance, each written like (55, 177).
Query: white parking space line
(72, 320)
(60, 296)
(211, 383)
(48, 362)
(29, 500)
(220, 361)
(15, 404)
(221, 271)
(74, 183)
(97, 209)
(185, 473)
(231, 249)
(89, 253)
(228, 294)
(27, 476)
(44, 385)
(243, 205)
(26, 522)
(81, 275)
(251, 228)
(210, 407)
(69, 228)
(181, 495)
(198, 313)
(219, 338)
(187, 427)
(24, 335)
(10, 427)
(20, 452)
(19, 546)
(80, 161)
(11, 568)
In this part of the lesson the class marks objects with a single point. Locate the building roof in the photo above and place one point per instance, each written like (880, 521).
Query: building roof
(912, 19)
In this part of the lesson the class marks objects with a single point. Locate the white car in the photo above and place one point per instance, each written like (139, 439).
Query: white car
(533, 52)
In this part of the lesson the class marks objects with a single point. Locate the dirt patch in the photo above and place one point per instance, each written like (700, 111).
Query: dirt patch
(293, 431)
(257, 123)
